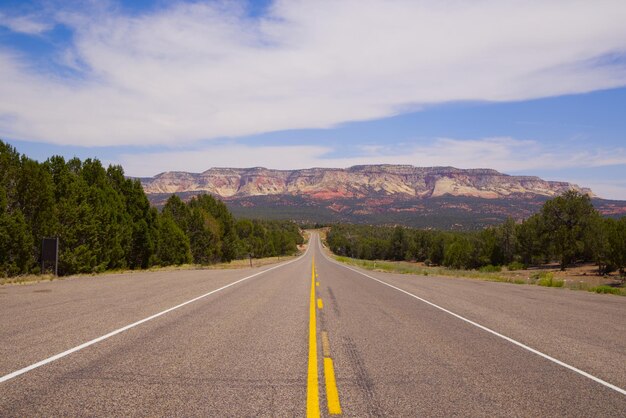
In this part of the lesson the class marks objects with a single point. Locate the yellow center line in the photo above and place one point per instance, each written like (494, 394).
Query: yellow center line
(312, 396)
(325, 344)
(332, 395)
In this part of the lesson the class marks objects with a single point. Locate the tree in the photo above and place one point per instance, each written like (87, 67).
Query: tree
(399, 245)
(9, 173)
(507, 240)
(530, 240)
(141, 220)
(173, 245)
(490, 248)
(458, 254)
(16, 242)
(221, 224)
(437, 250)
(203, 232)
(598, 245)
(616, 237)
(178, 211)
(568, 220)
(35, 198)
(104, 220)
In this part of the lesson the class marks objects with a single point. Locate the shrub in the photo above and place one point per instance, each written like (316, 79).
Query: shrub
(490, 269)
(548, 280)
(606, 289)
(515, 265)
(458, 255)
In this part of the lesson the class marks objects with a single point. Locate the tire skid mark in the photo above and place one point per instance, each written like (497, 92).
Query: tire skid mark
(333, 301)
(363, 380)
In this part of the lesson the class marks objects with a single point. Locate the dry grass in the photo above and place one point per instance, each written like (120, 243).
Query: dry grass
(27, 279)
(235, 264)
(546, 276)
(404, 267)
(582, 277)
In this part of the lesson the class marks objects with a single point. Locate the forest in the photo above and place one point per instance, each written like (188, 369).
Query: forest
(566, 230)
(105, 222)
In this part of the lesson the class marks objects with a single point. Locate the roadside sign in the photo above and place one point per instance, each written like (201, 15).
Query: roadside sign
(50, 254)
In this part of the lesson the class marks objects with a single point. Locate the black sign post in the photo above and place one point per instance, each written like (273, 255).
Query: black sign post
(50, 254)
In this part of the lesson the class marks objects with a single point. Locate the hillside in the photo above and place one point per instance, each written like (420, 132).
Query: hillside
(440, 197)
(357, 182)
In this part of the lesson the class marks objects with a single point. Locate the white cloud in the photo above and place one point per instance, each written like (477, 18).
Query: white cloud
(280, 157)
(511, 155)
(27, 24)
(610, 189)
(205, 70)
(507, 155)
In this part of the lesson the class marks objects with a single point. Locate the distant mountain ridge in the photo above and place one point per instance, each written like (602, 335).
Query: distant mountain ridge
(358, 182)
(425, 197)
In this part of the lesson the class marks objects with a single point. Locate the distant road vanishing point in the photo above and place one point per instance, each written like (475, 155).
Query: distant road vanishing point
(308, 337)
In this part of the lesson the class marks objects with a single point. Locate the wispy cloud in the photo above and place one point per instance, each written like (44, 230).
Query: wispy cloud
(206, 69)
(610, 189)
(513, 155)
(234, 155)
(507, 155)
(27, 24)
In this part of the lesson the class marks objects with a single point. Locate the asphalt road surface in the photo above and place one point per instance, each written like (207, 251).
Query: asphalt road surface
(308, 337)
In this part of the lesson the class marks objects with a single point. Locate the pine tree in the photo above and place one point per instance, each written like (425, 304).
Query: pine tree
(172, 245)
(568, 221)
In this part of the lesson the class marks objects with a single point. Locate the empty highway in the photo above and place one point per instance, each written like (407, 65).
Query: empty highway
(308, 337)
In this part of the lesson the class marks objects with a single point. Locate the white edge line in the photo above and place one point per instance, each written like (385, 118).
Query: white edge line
(489, 330)
(134, 324)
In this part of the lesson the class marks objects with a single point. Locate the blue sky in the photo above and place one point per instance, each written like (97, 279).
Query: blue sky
(533, 88)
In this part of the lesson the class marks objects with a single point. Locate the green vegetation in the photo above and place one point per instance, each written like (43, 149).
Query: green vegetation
(403, 267)
(567, 229)
(547, 279)
(104, 221)
(490, 269)
(515, 265)
(608, 289)
(542, 279)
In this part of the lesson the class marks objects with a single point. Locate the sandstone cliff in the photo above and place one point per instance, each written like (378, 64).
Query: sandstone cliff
(399, 181)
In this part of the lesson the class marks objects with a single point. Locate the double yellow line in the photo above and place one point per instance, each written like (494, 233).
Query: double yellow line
(332, 395)
(312, 395)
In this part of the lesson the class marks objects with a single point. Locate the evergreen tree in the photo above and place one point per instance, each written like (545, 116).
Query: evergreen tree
(616, 239)
(507, 241)
(531, 244)
(203, 232)
(568, 221)
(178, 211)
(35, 199)
(142, 219)
(173, 244)
(398, 245)
(458, 254)
(16, 244)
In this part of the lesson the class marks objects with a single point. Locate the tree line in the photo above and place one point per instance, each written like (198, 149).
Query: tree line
(567, 230)
(104, 221)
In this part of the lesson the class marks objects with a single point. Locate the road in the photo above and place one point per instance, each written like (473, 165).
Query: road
(305, 337)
